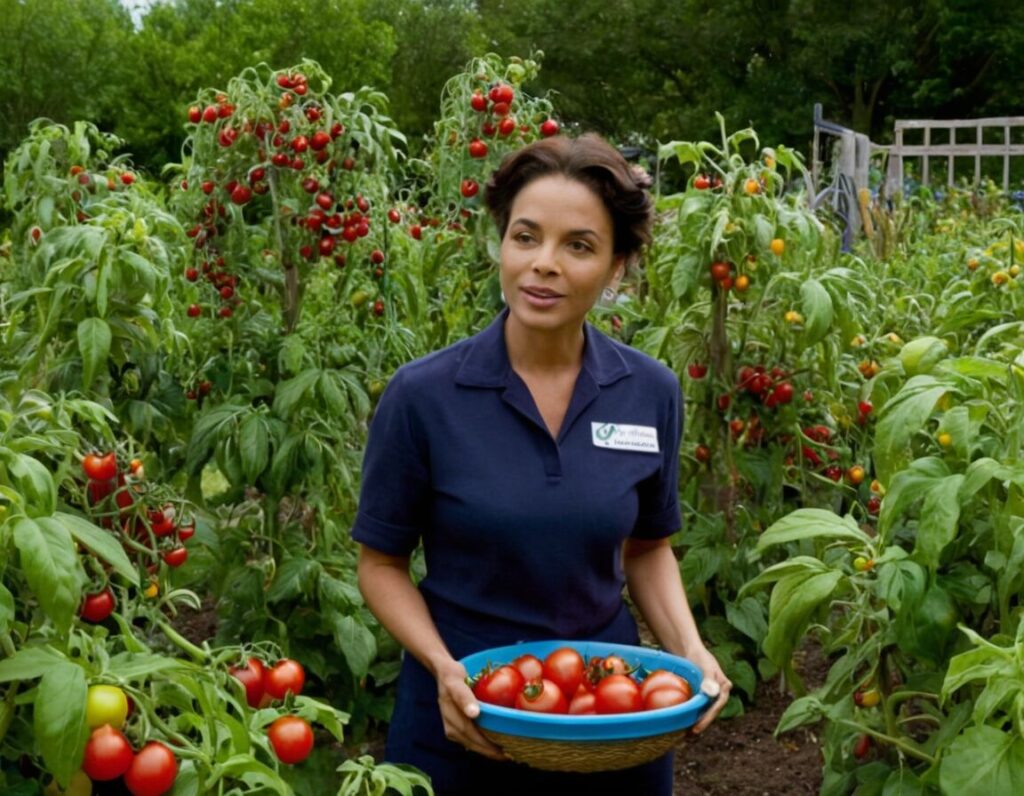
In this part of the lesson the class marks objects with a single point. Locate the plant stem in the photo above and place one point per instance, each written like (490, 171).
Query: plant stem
(180, 641)
(903, 746)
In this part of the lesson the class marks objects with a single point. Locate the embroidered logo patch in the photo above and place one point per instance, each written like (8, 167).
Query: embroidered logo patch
(641, 439)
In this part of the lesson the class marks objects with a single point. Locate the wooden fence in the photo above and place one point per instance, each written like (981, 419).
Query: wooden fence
(950, 150)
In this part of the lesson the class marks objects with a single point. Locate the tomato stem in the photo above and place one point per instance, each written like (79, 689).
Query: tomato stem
(199, 654)
(903, 746)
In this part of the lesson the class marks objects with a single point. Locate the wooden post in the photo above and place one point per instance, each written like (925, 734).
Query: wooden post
(949, 163)
(977, 159)
(924, 157)
(1006, 159)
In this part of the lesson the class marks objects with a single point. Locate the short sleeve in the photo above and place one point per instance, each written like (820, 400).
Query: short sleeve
(659, 514)
(396, 475)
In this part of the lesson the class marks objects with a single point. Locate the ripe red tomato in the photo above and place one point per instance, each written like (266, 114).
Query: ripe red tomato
(502, 92)
(664, 698)
(613, 664)
(663, 678)
(500, 109)
(565, 668)
(478, 102)
(194, 114)
(477, 148)
(176, 557)
(210, 114)
(319, 140)
(701, 182)
(506, 126)
(376, 257)
(99, 606)
(251, 676)
(719, 271)
(549, 128)
(500, 687)
(287, 675)
(617, 693)
(291, 738)
(100, 468)
(152, 772)
(469, 188)
(702, 453)
(300, 144)
(582, 703)
(107, 754)
(394, 216)
(530, 665)
(416, 231)
(542, 696)
(697, 370)
(241, 194)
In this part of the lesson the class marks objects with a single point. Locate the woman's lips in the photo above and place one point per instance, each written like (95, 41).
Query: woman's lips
(541, 300)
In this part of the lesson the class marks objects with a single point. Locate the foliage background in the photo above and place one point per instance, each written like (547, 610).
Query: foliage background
(618, 67)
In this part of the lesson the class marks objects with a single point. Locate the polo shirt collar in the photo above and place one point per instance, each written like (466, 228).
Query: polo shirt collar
(486, 363)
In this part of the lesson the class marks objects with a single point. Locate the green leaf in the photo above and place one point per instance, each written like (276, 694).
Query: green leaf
(294, 578)
(289, 393)
(796, 565)
(811, 523)
(357, 643)
(921, 355)
(983, 761)
(51, 567)
(29, 663)
(805, 710)
(940, 517)
(684, 275)
(747, 616)
(254, 447)
(6, 609)
(817, 311)
(903, 416)
(30, 477)
(94, 344)
(793, 600)
(903, 782)
(101, 544)
(59, 719)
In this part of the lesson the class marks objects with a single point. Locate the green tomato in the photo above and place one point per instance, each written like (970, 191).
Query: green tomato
(106, 704)
(80, 785)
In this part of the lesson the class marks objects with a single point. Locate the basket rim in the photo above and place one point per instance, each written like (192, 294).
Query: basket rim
(613, 727)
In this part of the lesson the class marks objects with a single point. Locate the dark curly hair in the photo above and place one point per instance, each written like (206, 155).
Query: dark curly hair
(592, 161)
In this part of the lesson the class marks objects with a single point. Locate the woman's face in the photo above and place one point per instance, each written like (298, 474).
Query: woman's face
(556, 256)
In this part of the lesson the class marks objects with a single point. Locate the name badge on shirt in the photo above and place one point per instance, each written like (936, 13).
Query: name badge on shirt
(641, 439)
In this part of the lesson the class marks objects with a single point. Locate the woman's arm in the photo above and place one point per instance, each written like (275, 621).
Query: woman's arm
(398, 605)
(652, 577)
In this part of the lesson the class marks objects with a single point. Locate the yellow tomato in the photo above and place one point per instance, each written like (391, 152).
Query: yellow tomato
(1000, 278)
(794, 317)
(972, 264)
(945, 439)
(1014, 270)
(742, 283)
(778, 246)
(855, 475)
(105, 704)
(752, 186)
(877, 488)
(152, 590)
(858, 340)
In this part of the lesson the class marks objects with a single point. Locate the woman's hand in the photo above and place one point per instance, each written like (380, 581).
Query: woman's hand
(712, 673)
(458, 709)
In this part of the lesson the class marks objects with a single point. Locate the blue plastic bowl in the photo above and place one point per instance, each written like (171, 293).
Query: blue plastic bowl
(616, 727)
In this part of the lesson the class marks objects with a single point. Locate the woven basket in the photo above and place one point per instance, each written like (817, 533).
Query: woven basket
(585, 756)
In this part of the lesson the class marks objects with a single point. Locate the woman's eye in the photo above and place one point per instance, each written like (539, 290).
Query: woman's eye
(579, 246)
(523, 237)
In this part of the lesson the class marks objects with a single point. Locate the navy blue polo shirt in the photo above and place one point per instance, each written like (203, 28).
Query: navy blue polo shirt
(519, 528)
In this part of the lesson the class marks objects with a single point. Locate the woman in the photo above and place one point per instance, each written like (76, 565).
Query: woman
(538, 463)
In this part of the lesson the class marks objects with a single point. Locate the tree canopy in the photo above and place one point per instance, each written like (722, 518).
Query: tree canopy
(636, 70)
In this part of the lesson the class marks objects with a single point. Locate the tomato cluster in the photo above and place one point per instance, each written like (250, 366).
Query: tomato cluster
(151, 526)
(109, 755)
(565, 682)
(290, 736)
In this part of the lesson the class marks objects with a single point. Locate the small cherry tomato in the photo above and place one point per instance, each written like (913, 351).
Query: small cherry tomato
(152, 772)
(250, 676)
(500, 687)
(105, 704)
(107, 754)
(292, 739)
(286, 675)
